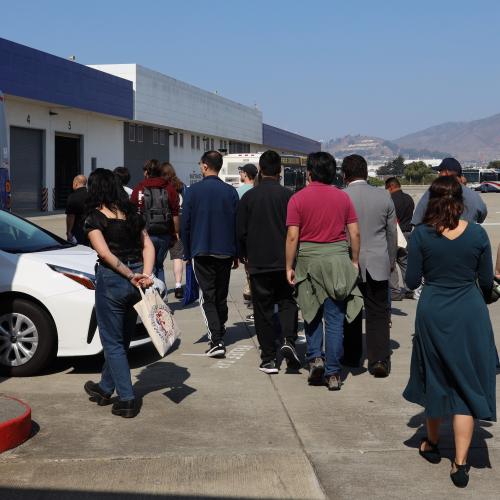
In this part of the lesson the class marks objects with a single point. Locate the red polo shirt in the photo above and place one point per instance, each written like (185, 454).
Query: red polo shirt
(321, 212)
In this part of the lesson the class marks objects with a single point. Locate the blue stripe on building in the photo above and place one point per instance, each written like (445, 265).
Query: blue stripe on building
(33, 74)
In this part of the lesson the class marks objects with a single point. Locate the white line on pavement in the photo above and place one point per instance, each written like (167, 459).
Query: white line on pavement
(490, 224)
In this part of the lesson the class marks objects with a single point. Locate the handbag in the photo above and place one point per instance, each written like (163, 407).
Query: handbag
(495, 292)
(192, 290)
(158, 320)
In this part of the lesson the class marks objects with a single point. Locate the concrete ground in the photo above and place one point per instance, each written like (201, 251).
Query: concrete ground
(222, 429)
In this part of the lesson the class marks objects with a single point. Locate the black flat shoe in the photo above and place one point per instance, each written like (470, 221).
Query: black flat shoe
(433, 455)
(460, 477)
(126, 409)
(97, 395)
(380, 369)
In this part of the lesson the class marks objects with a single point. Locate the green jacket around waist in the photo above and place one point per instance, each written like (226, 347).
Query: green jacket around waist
(325, 270)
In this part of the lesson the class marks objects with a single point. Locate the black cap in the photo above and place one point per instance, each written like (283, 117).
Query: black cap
(250, 169)
(451, 165)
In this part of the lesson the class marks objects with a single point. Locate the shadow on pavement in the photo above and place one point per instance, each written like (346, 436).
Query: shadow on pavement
(164, 375)
(59, 494)
(479, 457)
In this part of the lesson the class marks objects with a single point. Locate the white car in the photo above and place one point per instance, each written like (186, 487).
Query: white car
(46, 298)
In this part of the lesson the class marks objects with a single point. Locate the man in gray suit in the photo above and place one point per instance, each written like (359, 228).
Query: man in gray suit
(377, 224)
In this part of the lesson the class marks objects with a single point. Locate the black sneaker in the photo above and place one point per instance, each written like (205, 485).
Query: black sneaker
(290, 354)
(268, 367)
(179, 292)
(126, 409)
(97, 395)
(216, 350)
(316, 372)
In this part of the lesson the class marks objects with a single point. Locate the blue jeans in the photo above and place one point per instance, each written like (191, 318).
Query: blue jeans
(161, 243)
(115, 297)
(333, 312)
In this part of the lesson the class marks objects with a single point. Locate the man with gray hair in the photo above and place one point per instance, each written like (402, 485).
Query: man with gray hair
(75, 211)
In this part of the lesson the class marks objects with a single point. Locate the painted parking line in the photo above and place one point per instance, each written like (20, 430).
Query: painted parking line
(490, 224)
(232, 356)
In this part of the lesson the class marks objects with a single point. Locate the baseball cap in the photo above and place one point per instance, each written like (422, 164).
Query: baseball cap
(249, 169)
(451, 165)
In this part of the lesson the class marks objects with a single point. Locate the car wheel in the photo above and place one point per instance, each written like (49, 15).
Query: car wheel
(28, 338)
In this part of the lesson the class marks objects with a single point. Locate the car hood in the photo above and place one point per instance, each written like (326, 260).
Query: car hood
(79, 258)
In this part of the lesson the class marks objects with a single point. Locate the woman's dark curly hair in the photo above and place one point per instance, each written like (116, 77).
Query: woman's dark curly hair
(105, 190)
(446, 204)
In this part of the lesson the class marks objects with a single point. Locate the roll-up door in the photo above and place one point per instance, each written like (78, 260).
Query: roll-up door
(26, 163)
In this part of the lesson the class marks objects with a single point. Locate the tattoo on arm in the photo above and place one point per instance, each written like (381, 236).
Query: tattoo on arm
(118, 263)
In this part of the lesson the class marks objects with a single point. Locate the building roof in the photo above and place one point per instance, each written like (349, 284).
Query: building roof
(37, 75)
(278, 138)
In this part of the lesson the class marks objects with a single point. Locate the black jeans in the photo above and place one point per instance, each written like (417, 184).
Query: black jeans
(377, 315)
(269, 289)
(213, 276)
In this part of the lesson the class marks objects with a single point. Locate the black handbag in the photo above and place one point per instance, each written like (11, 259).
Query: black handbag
(495, 292)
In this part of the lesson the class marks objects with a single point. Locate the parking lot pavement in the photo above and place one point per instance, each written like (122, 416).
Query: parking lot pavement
(223, 429)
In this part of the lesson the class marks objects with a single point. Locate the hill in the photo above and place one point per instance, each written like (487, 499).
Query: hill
(375, 149)
(467, 141)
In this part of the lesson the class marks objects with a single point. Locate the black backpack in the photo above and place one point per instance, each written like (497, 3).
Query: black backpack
(157, 211)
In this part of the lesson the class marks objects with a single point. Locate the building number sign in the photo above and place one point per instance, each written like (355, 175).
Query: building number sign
(28, 120)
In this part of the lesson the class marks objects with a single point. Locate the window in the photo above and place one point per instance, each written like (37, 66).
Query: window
(197, 142)
(212, 147)
(181, 140)
(162, 137)
(225, 145)
(131, 132)
(192, 141)
(155, 136)
(221, 144)
(176, 139)
(206, 143)
(140, 133)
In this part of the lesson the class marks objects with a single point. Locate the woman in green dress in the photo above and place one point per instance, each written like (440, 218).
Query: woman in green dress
(453, 360)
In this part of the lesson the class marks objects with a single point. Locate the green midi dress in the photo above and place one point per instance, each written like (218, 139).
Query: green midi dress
(453, 364)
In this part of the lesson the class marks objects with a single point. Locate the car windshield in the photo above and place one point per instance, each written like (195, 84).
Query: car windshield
(20, 236)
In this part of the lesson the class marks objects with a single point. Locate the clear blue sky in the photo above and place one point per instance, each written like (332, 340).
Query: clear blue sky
(322, 68)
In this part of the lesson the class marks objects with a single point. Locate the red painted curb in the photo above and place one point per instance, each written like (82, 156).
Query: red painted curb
(17, 430)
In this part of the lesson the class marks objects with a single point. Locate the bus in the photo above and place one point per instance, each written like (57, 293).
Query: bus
(4, 159)
(293, 170)
(480, 178)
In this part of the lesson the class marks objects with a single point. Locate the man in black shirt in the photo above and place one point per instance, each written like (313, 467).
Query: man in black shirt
(261, 227)
(404, 205)
(75, 211)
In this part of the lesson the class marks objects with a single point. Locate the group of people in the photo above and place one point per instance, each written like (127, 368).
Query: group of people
(329, 252)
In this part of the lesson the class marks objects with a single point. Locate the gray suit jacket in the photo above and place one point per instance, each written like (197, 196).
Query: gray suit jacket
(377, 225)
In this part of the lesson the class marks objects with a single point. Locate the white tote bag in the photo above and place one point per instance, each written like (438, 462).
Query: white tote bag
(402, 243)
(158, 320)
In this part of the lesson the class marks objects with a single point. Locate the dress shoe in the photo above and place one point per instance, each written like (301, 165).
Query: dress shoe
(396, 297)
(126, 409)
(97, 395)
(380, 369)
(179, 292)
(409, 295)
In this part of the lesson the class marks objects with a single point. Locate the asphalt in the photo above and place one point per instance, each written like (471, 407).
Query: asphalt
(222, 429)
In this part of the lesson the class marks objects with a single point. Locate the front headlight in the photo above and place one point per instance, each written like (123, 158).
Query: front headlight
(85, 279)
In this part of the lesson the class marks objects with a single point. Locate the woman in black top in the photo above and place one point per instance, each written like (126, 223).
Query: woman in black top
(126, 258)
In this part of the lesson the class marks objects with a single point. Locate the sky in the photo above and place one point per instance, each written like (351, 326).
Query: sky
(321, 68)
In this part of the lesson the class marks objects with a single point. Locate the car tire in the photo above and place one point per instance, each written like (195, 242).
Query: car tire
(46, 349)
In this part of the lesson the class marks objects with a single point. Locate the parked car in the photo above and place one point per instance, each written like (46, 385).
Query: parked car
(46, 298)
(489, 187)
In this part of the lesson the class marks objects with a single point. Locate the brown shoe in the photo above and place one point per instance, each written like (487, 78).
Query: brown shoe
(316, 372)
(333, 382)
(380, 369)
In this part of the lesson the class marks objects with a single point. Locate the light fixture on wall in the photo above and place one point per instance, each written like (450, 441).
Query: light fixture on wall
(53, 113)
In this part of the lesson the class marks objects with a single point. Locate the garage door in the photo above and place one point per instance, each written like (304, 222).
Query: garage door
(26, 164)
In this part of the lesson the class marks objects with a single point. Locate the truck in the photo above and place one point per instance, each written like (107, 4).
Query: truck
(293, 169)
(4, 159)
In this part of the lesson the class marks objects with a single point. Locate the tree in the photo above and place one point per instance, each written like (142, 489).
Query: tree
(494, 164)
(394, 167)
(416, 171)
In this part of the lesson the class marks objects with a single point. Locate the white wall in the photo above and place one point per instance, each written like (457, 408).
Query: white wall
(165, 101)
(102, 137)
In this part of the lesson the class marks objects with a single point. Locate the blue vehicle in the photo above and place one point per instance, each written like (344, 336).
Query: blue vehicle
(4, 159)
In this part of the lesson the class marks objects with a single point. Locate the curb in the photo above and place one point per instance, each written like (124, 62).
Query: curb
(17, 430)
